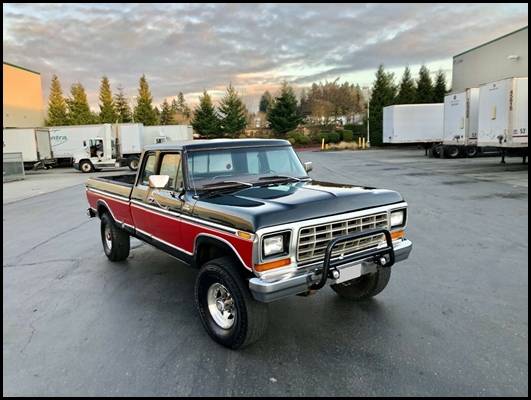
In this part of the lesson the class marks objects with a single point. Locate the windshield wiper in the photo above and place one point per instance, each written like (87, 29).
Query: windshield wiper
(226, 184)
(277, 177)
(212, 189)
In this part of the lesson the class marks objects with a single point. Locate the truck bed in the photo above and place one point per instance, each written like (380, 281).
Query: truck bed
(124, 180)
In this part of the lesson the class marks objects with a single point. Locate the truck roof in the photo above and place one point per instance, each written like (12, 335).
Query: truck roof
(207, 144)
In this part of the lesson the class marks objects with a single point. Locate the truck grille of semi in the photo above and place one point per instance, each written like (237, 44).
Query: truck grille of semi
(313, 239)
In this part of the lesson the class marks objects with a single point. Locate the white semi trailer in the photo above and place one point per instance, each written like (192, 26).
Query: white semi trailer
(33, 143)
(503, 114)
(414, 124)
(131, 138)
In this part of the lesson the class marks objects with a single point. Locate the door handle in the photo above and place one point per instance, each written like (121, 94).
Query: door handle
(153, 200)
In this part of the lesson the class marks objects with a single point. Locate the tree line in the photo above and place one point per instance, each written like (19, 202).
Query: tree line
(75, 109)
(408, 91)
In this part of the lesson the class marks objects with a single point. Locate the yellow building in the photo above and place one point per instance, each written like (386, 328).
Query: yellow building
(23, 101)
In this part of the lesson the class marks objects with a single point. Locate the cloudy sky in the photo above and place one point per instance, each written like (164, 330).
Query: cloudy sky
(193, 47)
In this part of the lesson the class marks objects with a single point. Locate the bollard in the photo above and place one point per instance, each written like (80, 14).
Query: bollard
(363, 143)
(322, 144)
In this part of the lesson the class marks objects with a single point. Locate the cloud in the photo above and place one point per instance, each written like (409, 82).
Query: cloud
(192, 47)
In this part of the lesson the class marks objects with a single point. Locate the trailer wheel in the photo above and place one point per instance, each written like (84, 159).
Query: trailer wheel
(115, 241)
(471, 151)
(364, 287)
(452, 151)
(132, 163)
(86, 166)
(229, 313)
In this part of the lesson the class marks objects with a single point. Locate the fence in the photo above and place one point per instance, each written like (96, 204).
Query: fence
(13, 167)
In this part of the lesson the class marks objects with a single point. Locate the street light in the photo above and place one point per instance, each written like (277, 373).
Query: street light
(367, 91)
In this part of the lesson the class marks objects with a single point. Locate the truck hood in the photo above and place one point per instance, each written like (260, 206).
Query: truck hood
(254, 208)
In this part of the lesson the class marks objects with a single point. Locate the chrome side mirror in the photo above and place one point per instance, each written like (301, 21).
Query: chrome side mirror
(158, 181)
(308, 166)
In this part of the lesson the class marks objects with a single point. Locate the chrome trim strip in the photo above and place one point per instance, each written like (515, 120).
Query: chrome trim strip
(113, 196)
(187, 217)
(163, 241)
(226, 242)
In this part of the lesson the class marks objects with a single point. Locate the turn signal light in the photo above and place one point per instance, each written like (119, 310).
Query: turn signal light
(271, 265)
(398, 234)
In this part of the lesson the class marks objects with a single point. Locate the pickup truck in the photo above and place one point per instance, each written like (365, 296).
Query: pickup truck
(257, 227)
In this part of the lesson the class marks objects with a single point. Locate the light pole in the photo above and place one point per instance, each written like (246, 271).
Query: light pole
(367, 90)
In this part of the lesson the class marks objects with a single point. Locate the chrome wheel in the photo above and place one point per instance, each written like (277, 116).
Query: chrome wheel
(134, 164)
(108, 237)
(221, 305)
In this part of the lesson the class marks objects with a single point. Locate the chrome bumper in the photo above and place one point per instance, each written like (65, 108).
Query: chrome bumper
(300, 282)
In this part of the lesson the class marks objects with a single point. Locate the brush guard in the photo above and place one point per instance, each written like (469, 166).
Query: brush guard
(329, 269)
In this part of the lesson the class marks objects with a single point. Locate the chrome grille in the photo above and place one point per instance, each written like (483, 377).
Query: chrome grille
(313, 240)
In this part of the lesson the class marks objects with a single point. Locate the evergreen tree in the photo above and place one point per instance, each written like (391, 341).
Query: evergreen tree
(166, 116)
(233, 114)
(383, 94)
(144, 111)
(283, 114)
(57, 112)
(424, 86)
(181, 105)
(205, 120)
(79, 112)
(107, 110)
(265, 102)
(122, 108)
(406, 90)
(157, 115)
(439, 90)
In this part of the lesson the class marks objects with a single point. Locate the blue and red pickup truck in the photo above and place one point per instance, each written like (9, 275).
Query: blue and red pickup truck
(246, 213)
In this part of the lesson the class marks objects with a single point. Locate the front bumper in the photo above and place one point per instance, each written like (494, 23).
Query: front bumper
(304, 279)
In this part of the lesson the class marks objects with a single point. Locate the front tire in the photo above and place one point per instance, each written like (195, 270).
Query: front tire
(227, 309)
(116, 243)
(86, 166)
(364, 287)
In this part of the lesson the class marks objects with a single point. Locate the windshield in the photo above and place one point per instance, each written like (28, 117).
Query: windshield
(242, 165)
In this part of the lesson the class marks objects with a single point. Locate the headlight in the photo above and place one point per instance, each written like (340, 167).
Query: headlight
(276, 244)
(398, 218)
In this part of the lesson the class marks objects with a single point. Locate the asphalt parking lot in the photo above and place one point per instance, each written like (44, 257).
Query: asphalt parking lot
(453, 320)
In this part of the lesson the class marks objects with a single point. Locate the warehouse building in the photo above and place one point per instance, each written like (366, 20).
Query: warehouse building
(23, 102)
(504, 57)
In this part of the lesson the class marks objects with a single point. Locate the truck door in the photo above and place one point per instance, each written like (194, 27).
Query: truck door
(44, 145)
(156, 211)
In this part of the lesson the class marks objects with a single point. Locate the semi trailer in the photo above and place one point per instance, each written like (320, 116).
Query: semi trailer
(33, 143)
(503, 113)
(414, 124)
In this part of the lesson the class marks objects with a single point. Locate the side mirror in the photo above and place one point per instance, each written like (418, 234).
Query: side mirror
(158, 181)
(308, 166)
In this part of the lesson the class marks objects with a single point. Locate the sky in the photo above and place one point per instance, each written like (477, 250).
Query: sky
(193, 47)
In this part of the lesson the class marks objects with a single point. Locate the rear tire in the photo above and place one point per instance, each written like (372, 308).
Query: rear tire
(229, 313)
(364, 287)
(471, 151)
(452, 151)
(86, 166)
(133, 163)
(116, 243)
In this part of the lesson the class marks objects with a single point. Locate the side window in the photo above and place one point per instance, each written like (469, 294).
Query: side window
(170, 166)
(149, 169)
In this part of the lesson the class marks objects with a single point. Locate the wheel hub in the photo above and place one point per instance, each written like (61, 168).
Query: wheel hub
(221, 305)
(108, 237)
